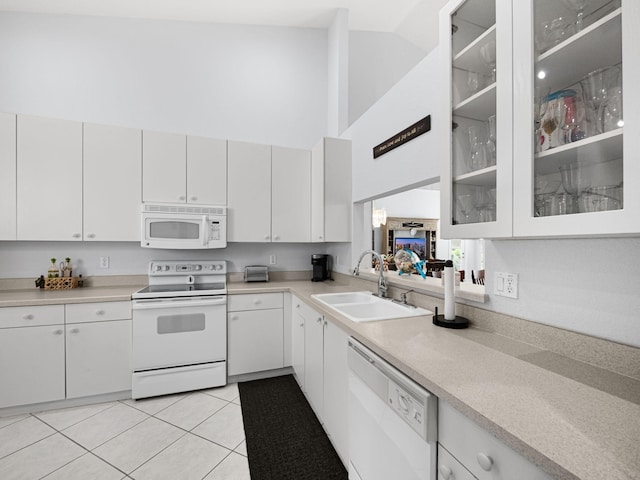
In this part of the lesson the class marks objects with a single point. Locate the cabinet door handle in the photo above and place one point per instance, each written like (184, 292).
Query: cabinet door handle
(276, 237)
(99, 312)
(319, 319)
(194, 198)
(76, 235)
(91, 235)
(182, 197)
(445, 471)
(266, 237)
(74, 330)
(57, 332)
(298, 306)
(485, 461)
(27, 316)
(234, 317)
(319, 237)
(257, 301)
(302, 324)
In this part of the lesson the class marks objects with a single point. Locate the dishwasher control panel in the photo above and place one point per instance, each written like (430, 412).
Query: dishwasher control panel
(408, 407)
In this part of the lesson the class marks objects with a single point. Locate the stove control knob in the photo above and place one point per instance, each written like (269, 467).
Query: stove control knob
(166, 268)
(158, 268)
(197, 267)
(211, 267)
(218, 267)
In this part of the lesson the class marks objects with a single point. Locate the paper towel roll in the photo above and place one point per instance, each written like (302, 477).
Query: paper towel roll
(449, 295)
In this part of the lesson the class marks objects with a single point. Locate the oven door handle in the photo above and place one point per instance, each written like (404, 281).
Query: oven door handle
(164, 303)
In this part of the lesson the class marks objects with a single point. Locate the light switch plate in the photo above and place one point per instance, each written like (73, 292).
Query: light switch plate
(506, 284)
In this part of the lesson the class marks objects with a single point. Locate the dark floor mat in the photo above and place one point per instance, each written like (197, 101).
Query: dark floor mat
(284, 438)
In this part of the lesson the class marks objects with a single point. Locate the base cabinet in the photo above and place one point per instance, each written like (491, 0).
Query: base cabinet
(480, 453)
(320, 367)
(53, 352)
(255, 333)
(31, 365)
(98, 358)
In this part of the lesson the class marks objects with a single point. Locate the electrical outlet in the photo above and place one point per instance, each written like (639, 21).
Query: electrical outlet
(273, 260)
(337, 259)
(506, 284)
(104, 262)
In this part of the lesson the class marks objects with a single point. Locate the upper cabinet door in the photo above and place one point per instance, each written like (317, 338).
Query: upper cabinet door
(290, 195)
(249, 192)
(576, 102)
(206, 171)
(164, 167)
(476, 177)
(8, 177)
(49, 187)
(112, 183)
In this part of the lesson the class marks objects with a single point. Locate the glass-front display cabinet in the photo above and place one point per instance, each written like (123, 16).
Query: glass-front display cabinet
(576, 117)
(476, 65)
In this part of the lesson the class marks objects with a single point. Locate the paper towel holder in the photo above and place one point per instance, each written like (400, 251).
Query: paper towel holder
(458, 322)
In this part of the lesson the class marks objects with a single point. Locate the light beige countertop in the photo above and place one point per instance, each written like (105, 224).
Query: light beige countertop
(574, 420)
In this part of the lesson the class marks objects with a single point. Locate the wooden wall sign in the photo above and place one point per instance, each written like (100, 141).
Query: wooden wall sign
(415, 130)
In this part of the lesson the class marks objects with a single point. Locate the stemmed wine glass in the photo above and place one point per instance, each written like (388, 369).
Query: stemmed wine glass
(465, 205)
(578, 6)
(488, 54)
(490, 144)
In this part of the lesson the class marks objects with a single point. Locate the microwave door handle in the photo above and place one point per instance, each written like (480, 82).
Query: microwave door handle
(205, 231)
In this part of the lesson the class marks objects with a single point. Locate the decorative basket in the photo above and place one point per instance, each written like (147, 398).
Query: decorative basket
(60, 283)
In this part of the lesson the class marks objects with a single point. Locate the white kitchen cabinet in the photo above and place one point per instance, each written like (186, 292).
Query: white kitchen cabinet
(451, 469)
(478, 451)
(32, 355)
(164, 167)
(314, 362)
(331, 203)
(112, 183)
(98, 358)
(321, 369)
(597, 143)
(561, 98)
(49, 179)
(8, 177)
(183, 169)
(336, 387)
(297, 339)
(249, 192)
(255, 333)
(290, 195)
(206, 171)
(476, 65)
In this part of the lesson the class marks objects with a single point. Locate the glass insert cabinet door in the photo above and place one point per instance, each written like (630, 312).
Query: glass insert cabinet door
(476, 65)
(576, 117)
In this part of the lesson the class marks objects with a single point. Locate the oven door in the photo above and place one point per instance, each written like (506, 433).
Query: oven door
(174, 332)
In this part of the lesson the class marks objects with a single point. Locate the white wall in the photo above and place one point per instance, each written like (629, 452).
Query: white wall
(260, 84)
(377, 61)
(417, 161)
(31, 259)
(418, 203)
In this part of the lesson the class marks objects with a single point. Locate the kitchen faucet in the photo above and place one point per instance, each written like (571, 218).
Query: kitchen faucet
(382, 283)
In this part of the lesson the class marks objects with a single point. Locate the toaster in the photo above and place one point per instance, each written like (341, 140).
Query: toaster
(256, 273)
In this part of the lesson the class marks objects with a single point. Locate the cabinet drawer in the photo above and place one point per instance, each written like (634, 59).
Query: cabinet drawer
(31, 316)
(449, 468)
(258, 301)
(480, 452)
(97, 312)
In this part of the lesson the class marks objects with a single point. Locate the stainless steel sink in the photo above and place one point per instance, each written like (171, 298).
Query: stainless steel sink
(366, 307)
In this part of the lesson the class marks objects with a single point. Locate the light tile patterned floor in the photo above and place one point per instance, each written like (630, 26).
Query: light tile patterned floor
(197, 435)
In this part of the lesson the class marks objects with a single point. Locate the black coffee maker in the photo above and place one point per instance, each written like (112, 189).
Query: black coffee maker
(321, 267)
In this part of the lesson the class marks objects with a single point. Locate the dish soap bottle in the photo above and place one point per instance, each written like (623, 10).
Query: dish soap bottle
(53, 271)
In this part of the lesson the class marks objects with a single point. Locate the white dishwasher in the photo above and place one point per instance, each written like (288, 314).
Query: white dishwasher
(392, 421)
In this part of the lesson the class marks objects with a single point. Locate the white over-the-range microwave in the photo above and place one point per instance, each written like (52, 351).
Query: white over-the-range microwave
(183, 226)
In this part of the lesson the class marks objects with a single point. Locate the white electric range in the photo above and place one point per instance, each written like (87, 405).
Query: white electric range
(179, 340)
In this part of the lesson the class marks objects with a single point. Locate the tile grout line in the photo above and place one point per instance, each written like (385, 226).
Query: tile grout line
(69, 426)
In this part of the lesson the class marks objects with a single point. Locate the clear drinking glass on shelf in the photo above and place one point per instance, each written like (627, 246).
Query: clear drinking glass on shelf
(595, 86)
(466, 208)
(490, 144)
(611, 113)
(577, 6)
(572, 120)
(574, 178)
(477, 151)
(488, 54)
